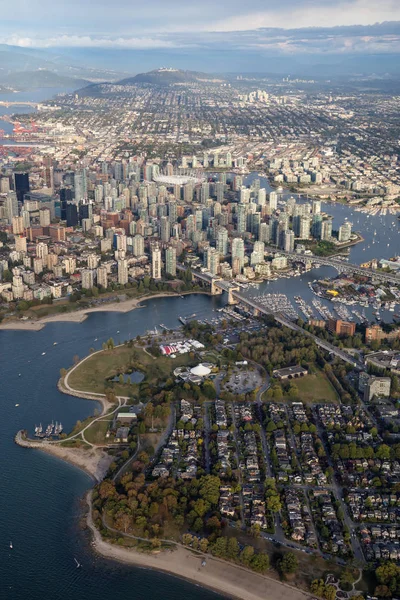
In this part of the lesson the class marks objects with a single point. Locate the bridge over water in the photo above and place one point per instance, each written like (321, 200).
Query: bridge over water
(7, 104)
(341, 266)
(219, 286)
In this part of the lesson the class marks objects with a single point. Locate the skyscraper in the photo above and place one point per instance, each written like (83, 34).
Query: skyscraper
(80, 185)
(21, 181)
(138, 245)
(205, 192)
(316, 207)
(255, 224)
(316, 226)
(261, 196)
(326, 230)
(288, 240)
(264, 233)
(345, 232)
(237, 256)
(222, 241)
(72, 215)
(214, 260)
(273, 201)
(122, 271)
(172, 212)
(257, 256)
(244, 195)
(241, 218)
(170, 261)
(165, 228)
(304, 230)
(87, 279)
(219, 189)
(11, 206)
(102, 278)
(156, 262)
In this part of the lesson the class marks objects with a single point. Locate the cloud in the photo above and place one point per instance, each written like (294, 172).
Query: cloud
(76, 41)
(309, 13)
(135, 18)
(287, 27)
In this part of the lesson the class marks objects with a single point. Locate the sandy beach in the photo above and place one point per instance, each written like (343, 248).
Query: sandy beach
(93, 461)
(222, 577)
(78, 316)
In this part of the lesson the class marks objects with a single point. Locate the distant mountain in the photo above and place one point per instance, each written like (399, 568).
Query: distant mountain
(42, 78)
(14, 60)
(46, 68)
(165, 77)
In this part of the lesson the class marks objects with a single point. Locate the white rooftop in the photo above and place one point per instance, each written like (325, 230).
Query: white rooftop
(200, 370)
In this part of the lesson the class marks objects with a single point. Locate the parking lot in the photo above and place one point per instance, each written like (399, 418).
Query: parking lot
(243, 381)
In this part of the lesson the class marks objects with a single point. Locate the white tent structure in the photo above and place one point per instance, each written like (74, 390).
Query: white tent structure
(200, 371)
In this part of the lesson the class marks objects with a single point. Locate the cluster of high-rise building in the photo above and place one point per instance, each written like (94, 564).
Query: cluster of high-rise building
(112, 222)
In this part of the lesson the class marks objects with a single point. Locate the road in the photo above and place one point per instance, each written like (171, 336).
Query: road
(337, 491)
(207, 427)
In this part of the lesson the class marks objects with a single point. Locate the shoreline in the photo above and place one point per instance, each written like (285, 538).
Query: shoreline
(80, 315)
(222, 577)
(94, 461)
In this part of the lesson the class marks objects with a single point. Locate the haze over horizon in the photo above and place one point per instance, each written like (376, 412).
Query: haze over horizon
(296, 37)
(287, 28)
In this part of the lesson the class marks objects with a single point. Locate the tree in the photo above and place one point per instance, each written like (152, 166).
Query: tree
(255, 530)
(288, 564)
(208, 389)
(260, 562)
(219, 548)
(388, 573)
(201, 507)
(330, 592)
(318, 587)
(187, 539)
(7, 276)
(203, 545)
(232, 548)
(274, 503)
(22, 305)
(246, 555)
(383, 452)
(209, 488)
(382, 591)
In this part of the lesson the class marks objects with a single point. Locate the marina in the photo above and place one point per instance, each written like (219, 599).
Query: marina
(52, 430)
(278, 303)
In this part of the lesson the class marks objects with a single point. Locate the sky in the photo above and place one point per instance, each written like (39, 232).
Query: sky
(286, 27)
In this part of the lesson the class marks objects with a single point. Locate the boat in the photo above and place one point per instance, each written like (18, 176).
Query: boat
(49, 429)
(11, 545)
(54, 343)
(43, 353)
(17, 405)
(78, 564)
(95, 339)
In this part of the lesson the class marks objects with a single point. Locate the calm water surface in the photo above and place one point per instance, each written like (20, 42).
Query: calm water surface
(40, 495)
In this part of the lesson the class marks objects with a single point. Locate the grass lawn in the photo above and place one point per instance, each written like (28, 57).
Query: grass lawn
(91, 375)
(96, 434)
(316, 388)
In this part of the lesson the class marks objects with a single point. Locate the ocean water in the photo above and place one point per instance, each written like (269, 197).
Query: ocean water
(40, 499)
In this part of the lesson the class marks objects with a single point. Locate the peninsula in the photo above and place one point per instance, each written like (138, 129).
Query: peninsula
(187, 442)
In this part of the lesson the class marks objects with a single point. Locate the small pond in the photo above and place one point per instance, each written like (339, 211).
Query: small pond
(134, 377)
